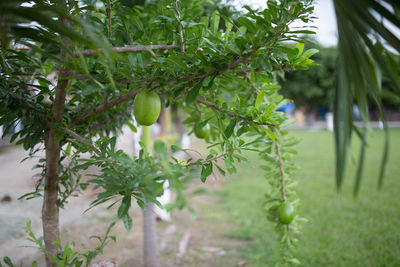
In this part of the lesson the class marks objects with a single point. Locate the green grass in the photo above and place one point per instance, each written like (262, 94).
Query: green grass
(342, 231)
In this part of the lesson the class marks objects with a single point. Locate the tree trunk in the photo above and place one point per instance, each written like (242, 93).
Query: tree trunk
(150, 244)
(50, 209)
(165, 121)
(179, 123)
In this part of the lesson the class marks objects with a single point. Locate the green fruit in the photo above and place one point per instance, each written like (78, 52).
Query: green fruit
(286, 213)
(147, 108)
(201, 132)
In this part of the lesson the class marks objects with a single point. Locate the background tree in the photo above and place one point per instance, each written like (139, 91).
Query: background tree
(313, 88)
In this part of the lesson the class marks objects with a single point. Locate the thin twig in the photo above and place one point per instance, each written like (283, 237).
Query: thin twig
(239, 60)
(180, 27)
(278, 151)
(252, 85)
(197, 108)
(107, 105)
(81, 139)
(220, 156)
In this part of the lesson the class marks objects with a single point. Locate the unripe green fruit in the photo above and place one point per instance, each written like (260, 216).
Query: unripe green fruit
(201, 132)
(286, 213)
(147, 108)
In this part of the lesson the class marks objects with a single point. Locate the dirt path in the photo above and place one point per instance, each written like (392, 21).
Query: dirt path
(187, 241)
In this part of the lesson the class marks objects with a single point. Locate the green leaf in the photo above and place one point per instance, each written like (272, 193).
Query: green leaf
(384, 155)
(177, 62)
(303, 31)
(132, 127)
(194, 92)
(229, 164)
(209, 81)
(205, 21)
(270, 133)
(124, 207)
(228, 26)
(294, 261)
(300, 48)
(113, 141)
(242, 130)
(229, 129)
(68, 150)
(127, 220)
(309, 53)
(221, 170)
(161, 149)
(215, 18)
(248, 24)
(8, 261)
(206, 171)
(259, 99)
(360, 163)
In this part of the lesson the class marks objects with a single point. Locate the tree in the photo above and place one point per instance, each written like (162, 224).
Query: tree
(104, 53)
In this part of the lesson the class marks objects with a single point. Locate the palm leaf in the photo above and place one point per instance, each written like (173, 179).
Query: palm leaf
(362, 57)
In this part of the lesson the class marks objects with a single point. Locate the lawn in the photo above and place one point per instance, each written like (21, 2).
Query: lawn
(342, 231)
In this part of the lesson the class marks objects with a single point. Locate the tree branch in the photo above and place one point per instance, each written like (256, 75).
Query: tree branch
(278, 151)
(107, 105)
(125, 49)
(82, 140)
(239, 60)
(232, 114)
(220, 156)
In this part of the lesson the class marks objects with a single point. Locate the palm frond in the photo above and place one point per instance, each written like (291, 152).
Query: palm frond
(364, 41)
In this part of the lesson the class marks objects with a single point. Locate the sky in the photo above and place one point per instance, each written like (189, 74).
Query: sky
(326, 32)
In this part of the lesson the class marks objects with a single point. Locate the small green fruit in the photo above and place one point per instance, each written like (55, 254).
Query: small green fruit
(201, 132)
(147, 108)
(286, 213)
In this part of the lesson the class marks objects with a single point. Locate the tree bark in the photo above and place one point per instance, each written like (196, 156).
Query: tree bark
(179, 123)
(150, 245)
(165, 121)
(50, 209)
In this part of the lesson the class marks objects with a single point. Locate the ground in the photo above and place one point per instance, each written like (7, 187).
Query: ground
(230, 228)
(208, 243)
